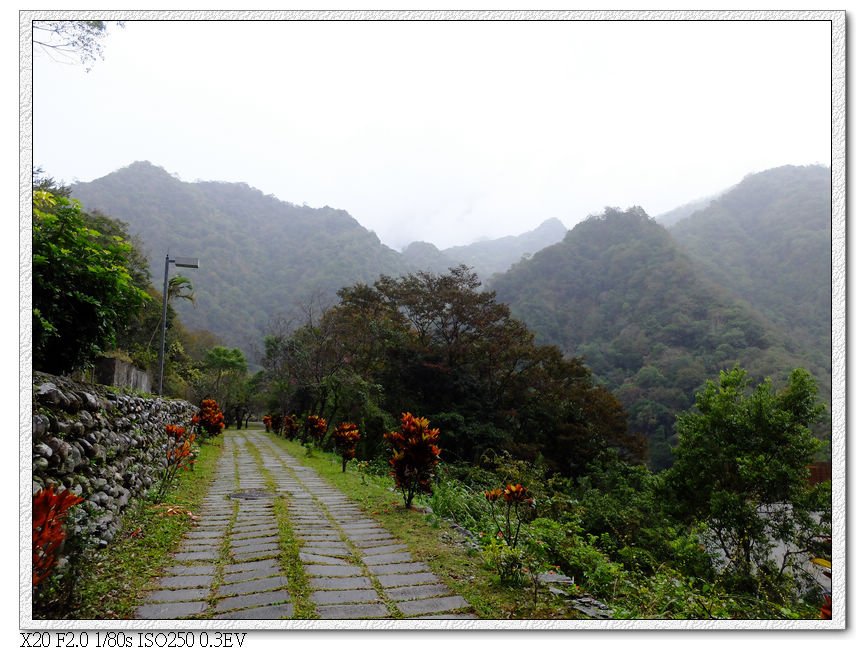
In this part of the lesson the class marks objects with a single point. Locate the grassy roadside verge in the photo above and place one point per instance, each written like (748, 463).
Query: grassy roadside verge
(429, 539)
(113, 579)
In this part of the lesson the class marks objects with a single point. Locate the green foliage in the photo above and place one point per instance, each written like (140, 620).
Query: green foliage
(767, 241)
(264, 257)
(84, 291)
(741, 467)
(620, 293)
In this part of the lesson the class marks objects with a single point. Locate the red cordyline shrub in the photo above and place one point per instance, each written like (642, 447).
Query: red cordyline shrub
(316, 426)
(415, 455)
(49, 513)
(290, 426)
(517, 500)
(267, 422)
(345, 437)
(209, 420)
(179, 454)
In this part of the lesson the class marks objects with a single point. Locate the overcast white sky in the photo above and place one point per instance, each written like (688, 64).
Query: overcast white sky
(445, 131)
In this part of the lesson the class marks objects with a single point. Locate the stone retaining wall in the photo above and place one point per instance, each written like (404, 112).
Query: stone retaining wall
(105, 446)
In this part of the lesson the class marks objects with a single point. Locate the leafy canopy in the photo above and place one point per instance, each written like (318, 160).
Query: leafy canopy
(84, 292)
(741, 467)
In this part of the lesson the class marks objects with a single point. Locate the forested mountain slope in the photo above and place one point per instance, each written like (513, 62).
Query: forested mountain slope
(260, 257)
(619, 292)
(767, 240)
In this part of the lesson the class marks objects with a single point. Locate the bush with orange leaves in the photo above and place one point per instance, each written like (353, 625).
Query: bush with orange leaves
(179, 454)
(517, 505)
(290, 426)
(49, 514)
(209, 421)
(415, 454)
(345, 438)
(316, 426)
(267, 420)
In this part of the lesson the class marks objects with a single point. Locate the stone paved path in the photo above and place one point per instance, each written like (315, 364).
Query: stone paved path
(229, 565)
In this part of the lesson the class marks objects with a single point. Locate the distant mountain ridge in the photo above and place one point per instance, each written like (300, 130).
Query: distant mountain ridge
(745, 280)
(489, 256)
(768, 241)
(261, 257)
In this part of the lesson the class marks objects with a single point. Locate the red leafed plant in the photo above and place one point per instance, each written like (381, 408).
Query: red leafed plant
(415, 455)
(345, 437)
(179, 454)
(49, 512)
(290, 426)
(517, 501)
(267, 420)
(209, 421)
(316, 426)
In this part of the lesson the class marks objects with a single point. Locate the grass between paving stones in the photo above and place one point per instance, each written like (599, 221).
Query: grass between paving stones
(113, 579)
(441, 548)
(289, 556)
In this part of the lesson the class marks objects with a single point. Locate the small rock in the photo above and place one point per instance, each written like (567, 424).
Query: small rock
(48, 393)
(43, 450)
(41, 424)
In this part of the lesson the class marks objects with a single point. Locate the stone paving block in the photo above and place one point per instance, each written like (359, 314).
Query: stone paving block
(153, 611)
(243, 576)
(188, 581)
(351, 612)
(332, 570)
(268, 613)
(311, 539)
(251, 586)
(194, 556)
(312, 558)
(416, 592)
(372, 543)
(203, 534)
(250, 566)
(344, 597)
(382, 550)
(359, 582)
(174, 595)
(440, 617)
(255, 528)
(240, 544)
(192, 569)
(354, 524)
(251, 600)
(405, 579)
(331, 545)
(368, 535)
(387, 558)
(252, 535)
(402, 567)
(253, 549)
(327, 552)
(431, 605)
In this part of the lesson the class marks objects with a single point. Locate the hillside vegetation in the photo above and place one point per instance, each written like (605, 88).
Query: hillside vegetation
(263, 258)
(767, 241)
(621, 294)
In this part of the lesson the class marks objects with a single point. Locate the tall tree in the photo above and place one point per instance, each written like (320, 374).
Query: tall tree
(84, 291)
(741, 468)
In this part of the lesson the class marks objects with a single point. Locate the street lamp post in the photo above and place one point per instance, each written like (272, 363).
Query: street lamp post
(185, 262)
